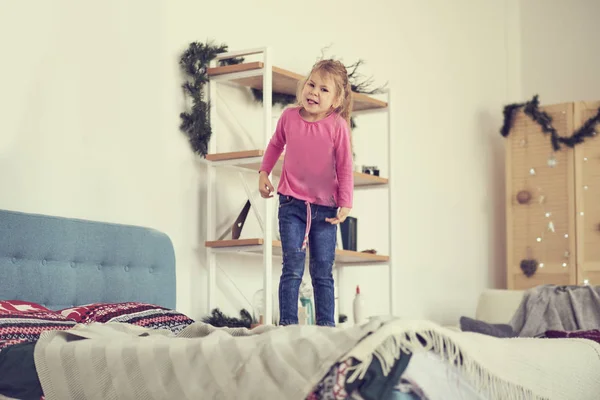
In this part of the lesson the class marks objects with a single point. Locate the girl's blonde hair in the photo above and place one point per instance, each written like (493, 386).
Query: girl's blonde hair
(343, 89)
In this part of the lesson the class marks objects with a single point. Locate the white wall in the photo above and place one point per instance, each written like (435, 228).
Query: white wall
(90, 116)
(83, 118)
(560, 58)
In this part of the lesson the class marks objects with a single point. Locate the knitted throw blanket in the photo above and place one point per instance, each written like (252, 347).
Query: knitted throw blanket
(559, 308)
(122, 361)
(118, 361)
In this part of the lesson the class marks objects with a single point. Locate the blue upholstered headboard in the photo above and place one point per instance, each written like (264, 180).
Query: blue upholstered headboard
(61, 262)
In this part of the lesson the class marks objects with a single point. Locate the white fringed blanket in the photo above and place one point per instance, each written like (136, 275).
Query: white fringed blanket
(117, 361)
(506, 369)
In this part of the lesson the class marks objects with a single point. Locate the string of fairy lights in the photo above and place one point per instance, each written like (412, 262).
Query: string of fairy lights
(587, 130)
(529, 265)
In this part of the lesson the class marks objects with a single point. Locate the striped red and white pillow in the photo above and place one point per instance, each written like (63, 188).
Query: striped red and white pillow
(141, 314)
(23, 321)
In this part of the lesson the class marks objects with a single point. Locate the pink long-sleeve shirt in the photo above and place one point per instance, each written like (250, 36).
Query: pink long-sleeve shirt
(317, 165)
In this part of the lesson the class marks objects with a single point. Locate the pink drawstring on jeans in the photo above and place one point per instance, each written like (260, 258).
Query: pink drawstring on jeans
(308, 221)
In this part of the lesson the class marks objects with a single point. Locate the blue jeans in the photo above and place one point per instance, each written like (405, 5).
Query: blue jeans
(321, 243)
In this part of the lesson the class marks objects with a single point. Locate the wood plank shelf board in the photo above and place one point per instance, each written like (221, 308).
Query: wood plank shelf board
(362, 180)
(255, 246)
(235, 155)
(251, 159)
(284, 81)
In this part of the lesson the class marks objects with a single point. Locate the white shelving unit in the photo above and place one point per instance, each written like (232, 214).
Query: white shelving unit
(263, 75)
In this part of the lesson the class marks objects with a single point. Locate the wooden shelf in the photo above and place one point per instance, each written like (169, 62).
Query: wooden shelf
(235, 155)
(251, 159)
(362, 180)
(255, 246)
(286, 82)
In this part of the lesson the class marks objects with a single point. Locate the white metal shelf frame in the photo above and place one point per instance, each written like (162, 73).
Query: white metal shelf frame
(268, 223)
(211, 233)
(392, 273)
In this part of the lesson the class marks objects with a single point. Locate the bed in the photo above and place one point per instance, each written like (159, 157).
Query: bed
(59, 263)
(107, 292)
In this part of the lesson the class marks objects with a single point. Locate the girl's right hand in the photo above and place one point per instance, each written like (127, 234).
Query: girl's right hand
(264, 185)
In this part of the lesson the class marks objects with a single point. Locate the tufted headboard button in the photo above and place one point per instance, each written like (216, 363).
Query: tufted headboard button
(14, 260)
(99, 267)
(126, 268)
(72, 264)
(151, 270)
(43, 262)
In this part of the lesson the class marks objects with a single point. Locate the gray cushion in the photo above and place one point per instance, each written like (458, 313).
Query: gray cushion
(497, 330)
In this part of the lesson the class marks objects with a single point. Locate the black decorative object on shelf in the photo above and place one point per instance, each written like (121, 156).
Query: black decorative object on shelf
(542, 118)
(194, 62)
(238, 225)
(349, 230)
(371, 170)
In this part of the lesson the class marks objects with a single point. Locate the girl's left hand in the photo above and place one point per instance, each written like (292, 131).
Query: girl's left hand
(341, 217)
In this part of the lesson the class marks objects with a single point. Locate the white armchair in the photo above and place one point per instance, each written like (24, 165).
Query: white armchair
(497, 306)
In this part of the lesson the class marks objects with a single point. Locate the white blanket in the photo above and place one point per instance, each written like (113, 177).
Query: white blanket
(115, 362)
(120, 361)
(506, 369)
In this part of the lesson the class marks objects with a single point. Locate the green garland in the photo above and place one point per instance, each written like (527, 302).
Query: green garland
(194, 62)
(544, 120)
(283, 99)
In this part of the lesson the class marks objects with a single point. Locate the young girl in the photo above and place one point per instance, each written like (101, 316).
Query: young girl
(316, 185)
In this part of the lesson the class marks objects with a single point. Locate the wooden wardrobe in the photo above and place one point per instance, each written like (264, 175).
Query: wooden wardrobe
(559, 225)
